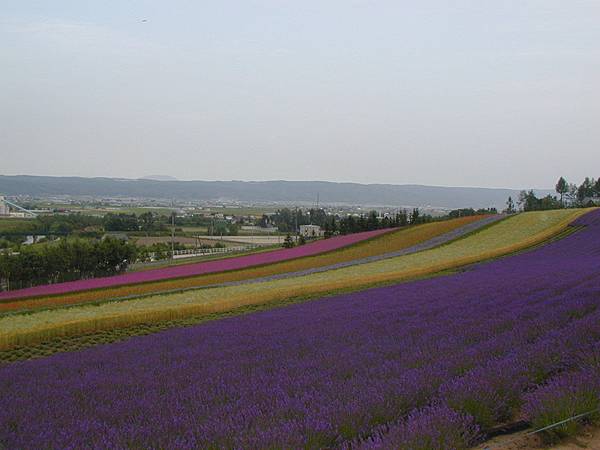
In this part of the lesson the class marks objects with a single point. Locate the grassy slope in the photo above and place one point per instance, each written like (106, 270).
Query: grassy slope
(504, 237)
(388, 242)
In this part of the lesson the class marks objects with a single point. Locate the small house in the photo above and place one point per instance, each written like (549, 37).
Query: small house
(311, 231)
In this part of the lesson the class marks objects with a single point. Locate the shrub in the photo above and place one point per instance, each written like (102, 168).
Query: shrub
(431, 428)
(565, 396)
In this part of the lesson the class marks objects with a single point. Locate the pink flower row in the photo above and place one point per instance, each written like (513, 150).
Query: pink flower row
(202, 268)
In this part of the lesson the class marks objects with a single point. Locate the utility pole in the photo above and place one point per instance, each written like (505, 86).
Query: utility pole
(172, 231)
(296, 218)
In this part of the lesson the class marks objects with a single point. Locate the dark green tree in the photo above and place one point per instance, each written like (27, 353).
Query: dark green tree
(510, 206)
(147, 221)
(288, 242)
(120, 222)
(586, 189)
(414, 216)
(372, 221)
(562, 187)
(402, 218)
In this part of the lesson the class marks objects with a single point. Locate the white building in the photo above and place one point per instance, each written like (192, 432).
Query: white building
(4, 211)
(591, 200)
(311, 231)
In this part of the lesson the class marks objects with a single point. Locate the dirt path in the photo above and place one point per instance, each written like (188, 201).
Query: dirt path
(589, 438)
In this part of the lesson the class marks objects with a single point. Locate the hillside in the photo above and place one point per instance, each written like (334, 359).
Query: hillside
(433, 363)
(262, 191)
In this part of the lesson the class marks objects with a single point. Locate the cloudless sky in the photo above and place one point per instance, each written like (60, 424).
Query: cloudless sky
(466, 93)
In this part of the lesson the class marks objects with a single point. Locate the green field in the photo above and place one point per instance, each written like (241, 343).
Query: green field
(16, 225)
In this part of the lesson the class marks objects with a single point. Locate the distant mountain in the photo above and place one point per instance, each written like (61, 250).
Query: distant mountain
(262, 191)
(159, 178)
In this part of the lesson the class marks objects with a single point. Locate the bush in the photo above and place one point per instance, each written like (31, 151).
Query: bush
(288, 242)
(565, 396)
(431, 428)
(489, 394)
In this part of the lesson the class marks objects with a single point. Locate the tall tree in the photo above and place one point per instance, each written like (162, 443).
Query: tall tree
(597, 188)
(572, 193)
(586, 189)
(414, 216)
(147, 221)
(562, 187)
(510, 206)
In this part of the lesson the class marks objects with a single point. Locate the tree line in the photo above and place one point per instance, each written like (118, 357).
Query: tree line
(75, 259)
(65, 261)
(150, 222)
(569, 195)
(288, 221)
(56, 225)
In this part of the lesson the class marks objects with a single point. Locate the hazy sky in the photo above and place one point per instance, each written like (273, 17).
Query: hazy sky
(471, 93)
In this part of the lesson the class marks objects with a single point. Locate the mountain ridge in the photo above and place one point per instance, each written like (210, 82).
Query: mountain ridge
(272, 191)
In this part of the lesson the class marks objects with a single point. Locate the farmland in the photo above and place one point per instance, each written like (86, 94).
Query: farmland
(12, 225)
(507, 236)
(428, 364)
(189, 241)
(195, 269)
(388, 242)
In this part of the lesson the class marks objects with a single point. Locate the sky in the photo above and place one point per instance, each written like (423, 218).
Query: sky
(460, 93)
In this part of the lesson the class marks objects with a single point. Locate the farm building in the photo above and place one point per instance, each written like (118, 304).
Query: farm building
(4, 211)
(591, 201)
(311, 231)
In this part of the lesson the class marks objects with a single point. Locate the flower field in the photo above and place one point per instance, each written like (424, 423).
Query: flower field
(188, 270)
(387, 242)
(501, 238)
(429, 364)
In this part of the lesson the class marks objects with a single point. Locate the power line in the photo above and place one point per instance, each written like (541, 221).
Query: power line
(547, 427)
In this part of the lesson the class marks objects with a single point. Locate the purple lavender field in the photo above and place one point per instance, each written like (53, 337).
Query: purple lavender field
(430, 364)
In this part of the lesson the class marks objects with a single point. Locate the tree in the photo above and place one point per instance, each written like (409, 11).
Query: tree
(264, 221)
(330, 227)
(529, 202)
(414, 216)
(562, 187)
(65, 261)
(147, 221)
(301, 240)
(372, 221)
(120, 222)
(288, 241)
(402, 218)
(510, 206)
(586, 189)
(572, 193)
